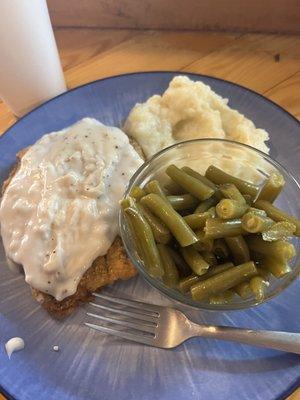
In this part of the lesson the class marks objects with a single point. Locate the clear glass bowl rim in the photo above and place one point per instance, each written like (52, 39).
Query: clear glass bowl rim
(172, 293)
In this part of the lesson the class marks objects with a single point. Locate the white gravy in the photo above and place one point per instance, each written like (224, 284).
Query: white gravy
(60, 210)
(14, 344)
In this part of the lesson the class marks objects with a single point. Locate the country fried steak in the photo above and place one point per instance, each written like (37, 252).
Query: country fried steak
(105, 270)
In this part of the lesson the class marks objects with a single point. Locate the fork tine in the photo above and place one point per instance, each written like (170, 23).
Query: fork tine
(137, 326)
(141, 317)
(124, 335)
(151, 308)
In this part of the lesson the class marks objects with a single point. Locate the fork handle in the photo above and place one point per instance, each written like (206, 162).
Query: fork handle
(283, 341)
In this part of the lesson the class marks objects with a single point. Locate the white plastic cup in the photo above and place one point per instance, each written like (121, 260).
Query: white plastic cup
(30, 69)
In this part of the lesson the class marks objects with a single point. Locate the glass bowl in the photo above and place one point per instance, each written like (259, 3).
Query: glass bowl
(235, 158)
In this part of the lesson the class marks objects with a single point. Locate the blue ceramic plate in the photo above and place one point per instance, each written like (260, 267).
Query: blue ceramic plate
(93, 366)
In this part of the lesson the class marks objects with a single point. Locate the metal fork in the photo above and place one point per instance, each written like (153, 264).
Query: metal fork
(166, 327)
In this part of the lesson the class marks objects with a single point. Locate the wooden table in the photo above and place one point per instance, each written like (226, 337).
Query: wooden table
(268, 64)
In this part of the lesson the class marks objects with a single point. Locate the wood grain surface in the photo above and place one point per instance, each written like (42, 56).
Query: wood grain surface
(269, 64)
(241, 15)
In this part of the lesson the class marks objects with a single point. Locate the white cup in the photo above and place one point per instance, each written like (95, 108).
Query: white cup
(30, 69)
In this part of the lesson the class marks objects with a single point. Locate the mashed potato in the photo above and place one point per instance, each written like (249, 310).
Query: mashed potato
(189, 110)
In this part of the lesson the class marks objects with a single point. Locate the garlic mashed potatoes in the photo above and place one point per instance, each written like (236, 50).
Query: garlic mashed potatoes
(189, 110)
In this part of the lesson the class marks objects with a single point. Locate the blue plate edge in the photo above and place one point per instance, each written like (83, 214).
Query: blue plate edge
(6, 394)
(294, 386)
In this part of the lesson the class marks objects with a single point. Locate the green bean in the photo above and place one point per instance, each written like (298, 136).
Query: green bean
(183, 268)
(223, 281)
(209, 257)
(277, 215)
(212, 211)
(127, 202)
(279, 230)
(197, 263)
(135, 239)
(222, 298)
(176, 224)
(220, 249)
(200, 177)
(238, 248)
(182, 202)
(171, 275)
(215, 270)
(257, 211)
(230, 191)
(258, 286)
(197, 221)
(145, 237)
(216, 228)
(199, 246)
(206, 204)
(272, 187)
(173, 188)
(160, 231)
(255, 223)
(218, 195)
(220, 177)
(137, 193)
(228, 209)
(154, 187)
(243, 290)
(189, 183)
(278, 268)
(204, 243)
(248, 199)
(186, 283)
(283, 251)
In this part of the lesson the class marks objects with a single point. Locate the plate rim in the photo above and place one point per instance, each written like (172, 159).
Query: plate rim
(293, 386)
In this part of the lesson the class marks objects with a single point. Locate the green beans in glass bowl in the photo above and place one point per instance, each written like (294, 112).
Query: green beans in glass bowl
(213, 224)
